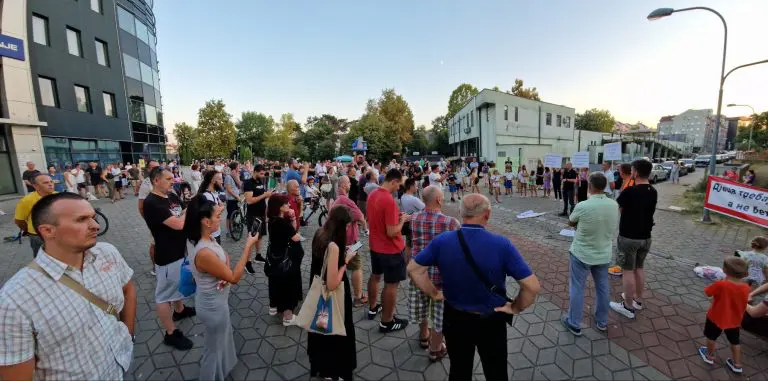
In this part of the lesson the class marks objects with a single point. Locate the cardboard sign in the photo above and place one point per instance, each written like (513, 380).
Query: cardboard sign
(553, 160)
(737, 200)
(580, 160)
(612, 151)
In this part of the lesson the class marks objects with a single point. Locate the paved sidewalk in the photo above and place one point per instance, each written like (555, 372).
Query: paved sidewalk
(660, 344)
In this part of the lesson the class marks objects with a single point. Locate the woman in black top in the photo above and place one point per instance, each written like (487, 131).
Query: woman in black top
(284, 242)
(540, 174)
(332, 356)
(557, 175)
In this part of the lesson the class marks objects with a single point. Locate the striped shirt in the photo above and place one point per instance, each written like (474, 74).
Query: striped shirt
(70, 338)
(425, 226)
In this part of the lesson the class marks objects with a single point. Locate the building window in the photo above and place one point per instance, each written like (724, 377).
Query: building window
(40, 29)
(73, 42)
(48, 91)
(141, 32)
(102, 53)
(126, 20)
(506, 112)
(96, 6)
(559, 121)
(146, 74)
(156, 85)
(515, 113)
(137, 111)
(109, 104)
(132, 68)
(82, 98)
(567, 122)
(501, 154)
(151, 114)
(472, 116)
(549, 119)
(487, 114)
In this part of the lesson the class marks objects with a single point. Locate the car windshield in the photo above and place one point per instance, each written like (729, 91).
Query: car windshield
(687, 161)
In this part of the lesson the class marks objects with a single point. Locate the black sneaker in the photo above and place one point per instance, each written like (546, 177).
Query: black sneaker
(563, 214)
(185, 313)
(249, 267)
(372, 312)
(178, 341)
(260, 258)
(395, 325)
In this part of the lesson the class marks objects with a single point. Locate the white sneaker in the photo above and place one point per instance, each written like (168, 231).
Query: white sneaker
(635, 304)
(272, 311)
(619, 307)
(301, 238)
(152, 272)
(289, 322)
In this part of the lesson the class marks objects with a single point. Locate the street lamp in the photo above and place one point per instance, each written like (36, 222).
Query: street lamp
(664, 12)
(751, 127)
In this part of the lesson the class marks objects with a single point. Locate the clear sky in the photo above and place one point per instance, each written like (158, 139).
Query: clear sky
(314, 57)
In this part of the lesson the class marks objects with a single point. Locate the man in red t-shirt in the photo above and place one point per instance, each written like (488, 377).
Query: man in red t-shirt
(385, 223)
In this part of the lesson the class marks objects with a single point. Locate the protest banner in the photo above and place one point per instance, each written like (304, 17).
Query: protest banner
(737, 200)
(612, 151)
(553, 160)
(580, 160)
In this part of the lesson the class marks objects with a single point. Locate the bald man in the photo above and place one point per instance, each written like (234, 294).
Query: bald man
(43, 186)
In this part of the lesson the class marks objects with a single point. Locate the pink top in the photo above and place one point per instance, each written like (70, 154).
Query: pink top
(354, 211)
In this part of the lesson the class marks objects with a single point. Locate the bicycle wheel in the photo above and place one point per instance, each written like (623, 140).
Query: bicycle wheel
(237, 226)
(321, 218)
(103, 222)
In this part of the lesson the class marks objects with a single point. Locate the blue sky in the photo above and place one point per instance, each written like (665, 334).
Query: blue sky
(314, 57)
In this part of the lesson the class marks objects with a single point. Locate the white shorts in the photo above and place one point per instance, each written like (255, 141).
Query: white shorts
(167, 288)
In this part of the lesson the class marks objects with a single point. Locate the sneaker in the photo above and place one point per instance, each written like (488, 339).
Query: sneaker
(272, 311)
(260, 259)
(249, 267)
(615, 270)
(289, 322)
(601, 327)
(372, 312)
(152, 272)
(185, 313)
(704, 353)
(563, 214)
(622, 309)
(395, 325)
(733, 367)
(301, 238)
(178, 341)
(575, 331)
(635, 304)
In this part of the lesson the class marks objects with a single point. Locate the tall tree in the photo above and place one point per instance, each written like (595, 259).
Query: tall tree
(523, 92)
(461, 95)
(397, 114)
(759, 128)
(420, 143)
(253, 128)
(289, 124)
(318, 130)
(215, 130)
(440, 130)
(595, 120)
(185, 138)
(279, 145)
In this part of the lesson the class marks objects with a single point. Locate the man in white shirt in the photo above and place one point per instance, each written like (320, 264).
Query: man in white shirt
(608, 173)
(435, 178)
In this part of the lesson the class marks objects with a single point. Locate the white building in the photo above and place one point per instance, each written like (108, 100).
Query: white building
(694, 126)
(501, 127)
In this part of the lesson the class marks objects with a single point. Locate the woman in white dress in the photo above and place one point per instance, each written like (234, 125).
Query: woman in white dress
(197, 177)
(69, 179)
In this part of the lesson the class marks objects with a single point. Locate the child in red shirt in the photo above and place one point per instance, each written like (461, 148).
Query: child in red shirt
(729, 301)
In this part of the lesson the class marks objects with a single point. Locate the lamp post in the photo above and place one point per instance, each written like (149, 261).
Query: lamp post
(664, 12)
(751, 126)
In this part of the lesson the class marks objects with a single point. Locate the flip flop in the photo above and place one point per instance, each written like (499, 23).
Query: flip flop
(437, 355)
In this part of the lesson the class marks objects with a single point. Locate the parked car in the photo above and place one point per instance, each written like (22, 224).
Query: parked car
(690, 164)
(702, 160)
(658, 173)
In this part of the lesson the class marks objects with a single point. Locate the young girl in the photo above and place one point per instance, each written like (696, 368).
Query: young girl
(495, 186)
(532, 184)
(508, 178)
(523, 178)
(474, 179)
(757, 261)
(547, 181)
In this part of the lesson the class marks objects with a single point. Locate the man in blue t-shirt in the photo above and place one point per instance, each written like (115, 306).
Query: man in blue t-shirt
(300, 177)
(474, 315)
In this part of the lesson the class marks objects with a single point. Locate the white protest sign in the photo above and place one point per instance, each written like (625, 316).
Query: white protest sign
(580, 160)
(737, 200)
(553, 160)
(612, 151)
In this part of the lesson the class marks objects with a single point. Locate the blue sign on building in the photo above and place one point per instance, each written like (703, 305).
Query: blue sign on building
(11, 47)
(359, 145)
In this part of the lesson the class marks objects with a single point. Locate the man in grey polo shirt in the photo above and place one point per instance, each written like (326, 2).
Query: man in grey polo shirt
(595, 220)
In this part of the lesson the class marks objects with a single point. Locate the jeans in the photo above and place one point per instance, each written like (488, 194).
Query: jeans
(568, 195)
(35, 242)
(465, 331)
(577, 280)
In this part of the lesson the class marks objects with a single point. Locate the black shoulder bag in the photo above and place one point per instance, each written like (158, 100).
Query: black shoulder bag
(488, 284)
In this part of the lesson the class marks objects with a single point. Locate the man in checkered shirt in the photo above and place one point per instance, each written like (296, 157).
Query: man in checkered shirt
(425, 226)
(49, 331)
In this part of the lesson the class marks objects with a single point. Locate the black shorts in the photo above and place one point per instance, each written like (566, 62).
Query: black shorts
(81, 186)
(392, 266)
(712, 332)
(231, 207)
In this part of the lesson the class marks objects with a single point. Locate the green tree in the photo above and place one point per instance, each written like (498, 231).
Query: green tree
(397, 115)
(440, 140)
(185, 137)
(215, 130)
(595, 120)
(318, 130)
(279, 145)
(420, 143)
(523, 92)
(253, 128)
(326, 150)
(759, 127)
(245, 153)
(301, 152)
(461, 95)
(289, 125)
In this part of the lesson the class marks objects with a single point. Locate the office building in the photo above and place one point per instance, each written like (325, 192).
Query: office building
(85, 86)
(693, 126)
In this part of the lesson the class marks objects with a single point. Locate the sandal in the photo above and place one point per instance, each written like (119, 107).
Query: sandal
(437, 355)
(424, 342)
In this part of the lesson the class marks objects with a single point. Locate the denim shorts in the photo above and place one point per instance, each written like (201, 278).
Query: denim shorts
(632, 252)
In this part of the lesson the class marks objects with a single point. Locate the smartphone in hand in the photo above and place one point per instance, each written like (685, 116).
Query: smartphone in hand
(256, 226)
(355, 247)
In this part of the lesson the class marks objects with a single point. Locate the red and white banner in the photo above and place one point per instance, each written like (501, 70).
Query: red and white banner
(745, 202)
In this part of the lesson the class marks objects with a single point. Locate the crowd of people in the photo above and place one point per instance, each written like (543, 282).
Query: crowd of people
(457, 269)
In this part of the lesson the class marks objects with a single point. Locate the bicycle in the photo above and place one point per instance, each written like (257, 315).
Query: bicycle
(238, 221)
(315, 203)
(102, 220)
